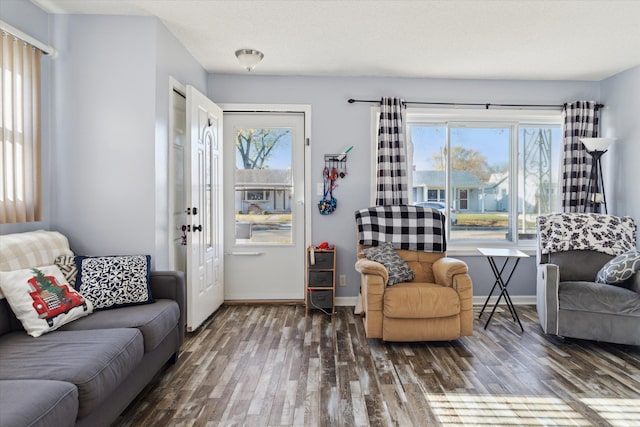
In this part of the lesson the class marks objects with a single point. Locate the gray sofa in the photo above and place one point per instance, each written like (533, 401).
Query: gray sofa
(88, 371)
(569, 301)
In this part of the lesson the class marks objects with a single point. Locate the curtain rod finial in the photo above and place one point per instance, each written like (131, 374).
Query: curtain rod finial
(351, 100)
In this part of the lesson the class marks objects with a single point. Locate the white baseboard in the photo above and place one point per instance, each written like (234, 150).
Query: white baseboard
(346, 301)
(477, 300)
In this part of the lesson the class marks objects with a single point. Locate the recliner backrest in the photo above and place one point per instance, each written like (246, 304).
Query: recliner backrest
(401, 224)
(582, 243)
(579, 265)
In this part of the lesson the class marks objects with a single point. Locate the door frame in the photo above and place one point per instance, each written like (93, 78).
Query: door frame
(174, 86)
(304, 109)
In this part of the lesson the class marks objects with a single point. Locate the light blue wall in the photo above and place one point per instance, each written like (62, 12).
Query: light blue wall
(104, 132)
(111, 83)
(105, 126)
(621, 119)
(337, 125)
(32, 20)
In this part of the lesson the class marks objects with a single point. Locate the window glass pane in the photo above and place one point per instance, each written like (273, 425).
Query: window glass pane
(207, 206)
(538, 168)
(480, 183)
(476, 159)
(263, 186)
(428, 163)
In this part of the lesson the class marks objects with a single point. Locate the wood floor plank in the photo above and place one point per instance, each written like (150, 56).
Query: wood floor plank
(272, 365)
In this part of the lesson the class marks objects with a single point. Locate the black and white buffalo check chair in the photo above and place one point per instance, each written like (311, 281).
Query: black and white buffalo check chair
(410, 289)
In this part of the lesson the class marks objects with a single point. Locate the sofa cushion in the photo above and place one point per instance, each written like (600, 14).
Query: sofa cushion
(95, 361)
(155, 321)
(397, 268)
(38, 403)
(619, 268)
(114, 281)
(598, 297)
(42, 299)
(420, 300)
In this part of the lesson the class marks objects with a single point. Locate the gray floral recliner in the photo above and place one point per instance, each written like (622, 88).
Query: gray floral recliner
(572, 249)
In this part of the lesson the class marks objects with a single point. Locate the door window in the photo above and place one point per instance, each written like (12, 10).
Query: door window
(263, 186)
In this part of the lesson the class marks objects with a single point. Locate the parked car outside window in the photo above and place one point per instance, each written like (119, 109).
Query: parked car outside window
(441, 207)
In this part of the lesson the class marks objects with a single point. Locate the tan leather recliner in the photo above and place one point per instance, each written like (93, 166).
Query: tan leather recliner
(435, 306)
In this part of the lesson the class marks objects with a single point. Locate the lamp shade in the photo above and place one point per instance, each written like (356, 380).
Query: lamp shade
(597, 144)
(249, 58)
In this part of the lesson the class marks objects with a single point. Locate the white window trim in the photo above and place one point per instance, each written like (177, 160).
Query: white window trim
(484, 117)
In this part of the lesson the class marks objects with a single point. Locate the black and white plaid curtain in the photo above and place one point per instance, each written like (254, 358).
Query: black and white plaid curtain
(581, 120)
(391, 177)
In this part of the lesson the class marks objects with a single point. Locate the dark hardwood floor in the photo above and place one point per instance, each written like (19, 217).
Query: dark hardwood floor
(269, 365)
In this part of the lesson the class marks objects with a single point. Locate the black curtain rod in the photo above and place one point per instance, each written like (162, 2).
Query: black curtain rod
(470, 104)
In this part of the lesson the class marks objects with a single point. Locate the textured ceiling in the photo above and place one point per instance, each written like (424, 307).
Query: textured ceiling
(476, 39)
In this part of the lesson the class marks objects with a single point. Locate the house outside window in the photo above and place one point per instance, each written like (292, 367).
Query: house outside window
(435, 195)
(256, 195)
(496, 169)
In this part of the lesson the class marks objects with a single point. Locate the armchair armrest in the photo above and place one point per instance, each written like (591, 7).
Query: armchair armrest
(373, 279)
(454, 273)
(445, 269)
(365, 266)
(547, 283)
(171, 285)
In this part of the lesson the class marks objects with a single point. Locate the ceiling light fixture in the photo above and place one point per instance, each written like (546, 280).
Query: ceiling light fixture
(249, 58)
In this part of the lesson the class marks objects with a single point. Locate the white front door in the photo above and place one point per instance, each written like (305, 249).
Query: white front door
(264, 205)
(205, 273)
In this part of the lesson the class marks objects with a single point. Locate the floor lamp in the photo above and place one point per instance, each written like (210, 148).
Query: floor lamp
(596, 147)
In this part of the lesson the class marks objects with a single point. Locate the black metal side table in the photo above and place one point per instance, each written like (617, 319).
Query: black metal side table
(500, 274)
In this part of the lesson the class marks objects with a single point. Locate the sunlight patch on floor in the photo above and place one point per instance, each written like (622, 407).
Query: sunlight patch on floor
(618, 412)
(502, 410)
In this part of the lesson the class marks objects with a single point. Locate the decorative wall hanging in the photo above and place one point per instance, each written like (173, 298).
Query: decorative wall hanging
(328, 204)
(335, 167)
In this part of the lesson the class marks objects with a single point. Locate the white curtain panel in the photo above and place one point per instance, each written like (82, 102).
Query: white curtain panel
(20, 134)
(391, 177)
(581, 120)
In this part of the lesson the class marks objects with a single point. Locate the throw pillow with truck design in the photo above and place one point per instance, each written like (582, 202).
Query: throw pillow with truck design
(42, 299)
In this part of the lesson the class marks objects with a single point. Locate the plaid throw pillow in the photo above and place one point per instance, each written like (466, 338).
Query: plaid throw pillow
(67, 265)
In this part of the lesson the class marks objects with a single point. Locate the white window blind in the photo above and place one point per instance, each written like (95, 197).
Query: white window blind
(20, 131)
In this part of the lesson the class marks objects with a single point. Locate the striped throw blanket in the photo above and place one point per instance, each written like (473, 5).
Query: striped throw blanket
(31, 249)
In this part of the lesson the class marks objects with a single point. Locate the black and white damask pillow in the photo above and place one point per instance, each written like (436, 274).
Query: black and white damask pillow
(114, 281)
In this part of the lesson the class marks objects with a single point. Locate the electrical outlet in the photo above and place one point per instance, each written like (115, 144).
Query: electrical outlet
(343, 280)
(320, 189)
